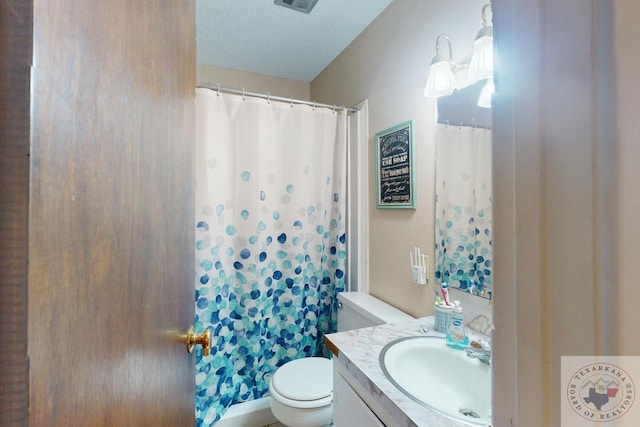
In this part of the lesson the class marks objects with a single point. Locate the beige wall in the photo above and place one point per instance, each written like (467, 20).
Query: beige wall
(252, 82)
(387, 64)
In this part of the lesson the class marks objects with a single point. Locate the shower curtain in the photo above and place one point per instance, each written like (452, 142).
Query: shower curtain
(463, 249)
(270, 240)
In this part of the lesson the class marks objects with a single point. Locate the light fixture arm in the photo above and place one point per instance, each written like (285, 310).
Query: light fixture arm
(441, 81)
(481, 65)
(484, 14)
(439, 57)
(486, 30)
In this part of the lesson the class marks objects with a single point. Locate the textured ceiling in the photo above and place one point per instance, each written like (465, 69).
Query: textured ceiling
(260, 37)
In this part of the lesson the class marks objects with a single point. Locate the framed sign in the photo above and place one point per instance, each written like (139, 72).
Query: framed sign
(395, 167)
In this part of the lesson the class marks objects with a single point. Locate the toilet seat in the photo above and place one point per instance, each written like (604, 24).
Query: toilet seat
(303, 383)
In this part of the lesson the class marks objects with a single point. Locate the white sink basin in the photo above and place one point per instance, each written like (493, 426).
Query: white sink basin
(444, 380)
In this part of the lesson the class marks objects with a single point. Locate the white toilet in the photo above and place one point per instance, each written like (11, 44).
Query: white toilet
(302, 390)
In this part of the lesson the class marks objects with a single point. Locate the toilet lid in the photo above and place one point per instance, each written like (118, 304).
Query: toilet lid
(310, 378)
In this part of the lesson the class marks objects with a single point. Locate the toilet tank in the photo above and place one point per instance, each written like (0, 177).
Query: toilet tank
(360, 310)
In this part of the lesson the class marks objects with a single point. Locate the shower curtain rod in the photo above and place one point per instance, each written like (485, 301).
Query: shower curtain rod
(269, 97)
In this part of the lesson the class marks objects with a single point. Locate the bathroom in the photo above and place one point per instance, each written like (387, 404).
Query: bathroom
(555, 295)
(395, 95)
(367, 69)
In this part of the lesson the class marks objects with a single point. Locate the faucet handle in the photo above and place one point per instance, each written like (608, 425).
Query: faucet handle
(477, 346)
(478, 351)
(481, 345)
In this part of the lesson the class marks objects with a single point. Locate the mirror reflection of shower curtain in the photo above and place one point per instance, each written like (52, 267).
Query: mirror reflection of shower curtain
(463, 249)
(270, 240)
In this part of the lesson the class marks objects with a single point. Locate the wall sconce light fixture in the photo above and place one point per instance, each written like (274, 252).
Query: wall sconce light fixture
(441, 81)
(481, 65)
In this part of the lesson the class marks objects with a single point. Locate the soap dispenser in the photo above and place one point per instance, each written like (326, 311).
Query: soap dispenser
(457, 331)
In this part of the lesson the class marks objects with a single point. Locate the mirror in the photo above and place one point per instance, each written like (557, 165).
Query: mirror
(463, 205)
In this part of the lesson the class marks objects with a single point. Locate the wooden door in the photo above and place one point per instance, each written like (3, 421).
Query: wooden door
(111, 232)
(15, 62)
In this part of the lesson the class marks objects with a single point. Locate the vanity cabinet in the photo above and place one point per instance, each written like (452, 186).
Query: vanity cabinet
(365, 396)
(349, 409)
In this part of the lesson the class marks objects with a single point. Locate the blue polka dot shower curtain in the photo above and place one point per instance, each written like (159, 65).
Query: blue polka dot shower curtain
(463, 249)
(270, 240)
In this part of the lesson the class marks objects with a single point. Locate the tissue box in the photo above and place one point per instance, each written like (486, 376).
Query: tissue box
(442, 316)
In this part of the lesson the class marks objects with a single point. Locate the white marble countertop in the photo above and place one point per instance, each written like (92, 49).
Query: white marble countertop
(358, 351)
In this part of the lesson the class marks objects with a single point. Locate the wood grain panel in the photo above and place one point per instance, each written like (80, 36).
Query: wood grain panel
(16, 21)
(111, 219)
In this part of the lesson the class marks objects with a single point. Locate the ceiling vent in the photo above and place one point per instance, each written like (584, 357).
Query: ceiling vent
(303, 6)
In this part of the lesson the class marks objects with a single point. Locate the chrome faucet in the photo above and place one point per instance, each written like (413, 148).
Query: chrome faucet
(480, 352)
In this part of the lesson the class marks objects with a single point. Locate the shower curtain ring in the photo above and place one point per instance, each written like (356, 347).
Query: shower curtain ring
(291, 102)
(218, 88)
(268, 98)
(314, 105)
(243, 94)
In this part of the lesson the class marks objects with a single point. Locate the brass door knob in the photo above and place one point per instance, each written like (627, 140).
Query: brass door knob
(192, 339)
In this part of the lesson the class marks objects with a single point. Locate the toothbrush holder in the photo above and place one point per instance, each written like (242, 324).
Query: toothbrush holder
(442, 317)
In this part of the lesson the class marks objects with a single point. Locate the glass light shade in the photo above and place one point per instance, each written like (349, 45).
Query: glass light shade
(441, 81)
(481, 66)
(486, 94)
